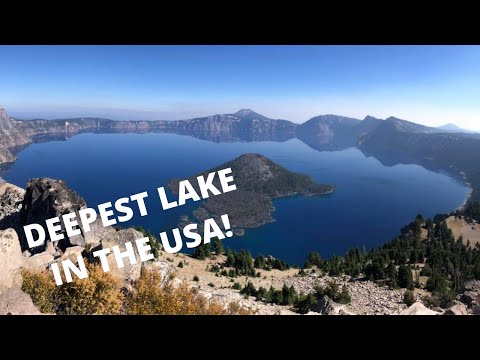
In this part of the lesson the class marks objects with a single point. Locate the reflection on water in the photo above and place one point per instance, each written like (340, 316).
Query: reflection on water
(371, 203)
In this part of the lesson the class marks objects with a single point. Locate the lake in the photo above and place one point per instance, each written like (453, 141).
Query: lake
(370, 205)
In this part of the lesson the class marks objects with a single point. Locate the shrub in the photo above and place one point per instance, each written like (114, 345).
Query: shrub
(409, 298)
(41, 288)
(180, 264)
(195, 278)
(100, 293)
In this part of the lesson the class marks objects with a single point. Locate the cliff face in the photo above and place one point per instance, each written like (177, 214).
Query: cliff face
(7, 139)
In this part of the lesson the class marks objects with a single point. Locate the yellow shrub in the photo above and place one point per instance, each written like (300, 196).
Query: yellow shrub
(149, 298)
(99, 293)
(41, 288)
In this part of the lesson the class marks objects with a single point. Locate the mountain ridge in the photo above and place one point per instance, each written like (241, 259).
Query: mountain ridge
(392, 140)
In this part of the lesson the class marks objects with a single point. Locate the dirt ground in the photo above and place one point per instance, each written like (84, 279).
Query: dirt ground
(461, 228)
(5, 185)
(193, 267)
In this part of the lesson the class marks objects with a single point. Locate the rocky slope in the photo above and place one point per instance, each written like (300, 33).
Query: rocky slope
(367, 297)
(45, 198)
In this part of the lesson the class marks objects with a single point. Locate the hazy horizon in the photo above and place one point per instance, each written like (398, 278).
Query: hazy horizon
(428, 85)
(71, 115)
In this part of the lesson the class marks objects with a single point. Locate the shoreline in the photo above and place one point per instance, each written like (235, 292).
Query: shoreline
(467, 198)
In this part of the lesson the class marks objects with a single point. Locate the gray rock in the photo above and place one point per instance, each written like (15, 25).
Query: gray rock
(457, 309)
(11, 260)
(469, 298)
(47, 198)
(165, 268)
(129, 272)
(11, 198)
(72, 253)
(38, 261)
(327, 306)
(5, 122)
(418, 309)
(472, 285)
(15, 302)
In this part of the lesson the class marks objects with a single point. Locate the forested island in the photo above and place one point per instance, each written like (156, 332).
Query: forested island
(258, 181)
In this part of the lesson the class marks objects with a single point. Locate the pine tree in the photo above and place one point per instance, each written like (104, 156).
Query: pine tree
(404, 278)
(217, 246)
(409, 298)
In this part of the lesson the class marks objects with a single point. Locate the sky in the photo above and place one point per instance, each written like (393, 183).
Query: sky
(430, 85)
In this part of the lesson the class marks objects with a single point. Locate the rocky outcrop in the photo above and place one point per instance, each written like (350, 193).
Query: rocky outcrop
(470, 298)
(15, 302)
(11, 260)
(112, 238)
(11, 198)
(418, 309)
(165, 268)
(327, 306)
(47, 198)
(5, 122)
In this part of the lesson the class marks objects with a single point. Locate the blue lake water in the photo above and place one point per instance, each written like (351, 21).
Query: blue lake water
(372, 201)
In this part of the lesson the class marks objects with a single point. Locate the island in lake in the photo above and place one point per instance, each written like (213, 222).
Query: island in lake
(258, 180)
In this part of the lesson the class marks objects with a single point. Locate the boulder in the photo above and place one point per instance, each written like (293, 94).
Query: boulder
(418, 309)
(15, 302)
(11, 198)
(129, 272)
(469, 298)
(165, 268)
(11, 260)
(457, 309)
(327, 306)
(38, 261)
(72, 253)
(472, 285)
(47, 198)
(476, 308)
(285, 312)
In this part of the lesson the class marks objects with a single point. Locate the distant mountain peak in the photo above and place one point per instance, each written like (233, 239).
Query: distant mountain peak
(450, 125)
(248, 114)
(370, 118)
(454, 128)
(245, 112)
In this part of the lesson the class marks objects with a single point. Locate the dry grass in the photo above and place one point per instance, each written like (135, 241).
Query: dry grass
(460, 227)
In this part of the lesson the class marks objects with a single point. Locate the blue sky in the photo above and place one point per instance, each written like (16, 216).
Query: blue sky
(431, 85)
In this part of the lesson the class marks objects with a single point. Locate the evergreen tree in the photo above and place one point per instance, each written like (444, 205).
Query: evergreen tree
(217, 246)
(409, 298)
(405, 279)
(314, 258)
